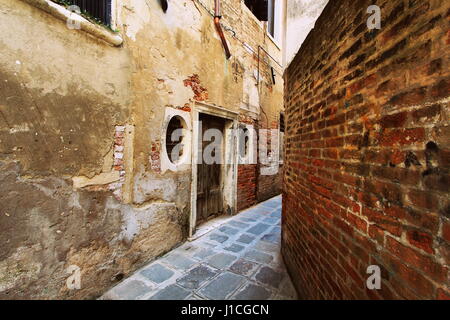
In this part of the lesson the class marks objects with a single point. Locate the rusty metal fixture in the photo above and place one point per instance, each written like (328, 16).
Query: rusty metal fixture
(217, 18)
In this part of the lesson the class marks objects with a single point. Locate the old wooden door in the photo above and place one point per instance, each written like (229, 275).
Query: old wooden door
(209, 176)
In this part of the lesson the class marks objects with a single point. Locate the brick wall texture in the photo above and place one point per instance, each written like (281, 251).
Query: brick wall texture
(246, 188)
(367, 153)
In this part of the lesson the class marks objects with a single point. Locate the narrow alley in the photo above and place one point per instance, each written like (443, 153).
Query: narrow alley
(224, 150)
(240, 259)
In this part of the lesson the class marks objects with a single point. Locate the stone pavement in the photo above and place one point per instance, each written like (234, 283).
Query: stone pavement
(240, 260)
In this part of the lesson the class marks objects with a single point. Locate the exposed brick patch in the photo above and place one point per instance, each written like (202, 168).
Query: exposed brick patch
(246, 186)
(200, 93)
(366, 170)
(186, 108)
(246, 119)
(155, 157)
(119, 146)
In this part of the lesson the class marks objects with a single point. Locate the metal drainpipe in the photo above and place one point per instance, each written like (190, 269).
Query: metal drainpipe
(217, 18)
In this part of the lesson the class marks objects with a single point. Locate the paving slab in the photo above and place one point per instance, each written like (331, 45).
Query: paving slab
(258, 229)
(276, 214)
(271, 204)
(276, 230)
(179, 261)
(204, 253)
(196, 277)
(269, 277)
(229, 230)
(252, 292)
(131, 290)
(271, 220)
(272, 237)
(221, 260)
(237, 224)
(218, 237)
(244, 267)
(157, 273)
(222, 286)
(267, 246)
(235, 248)
(172, 292)
(188, 249)
(245, 238)
(258, 256)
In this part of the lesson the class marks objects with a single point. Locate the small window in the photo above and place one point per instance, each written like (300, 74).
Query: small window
(98, 10)
(270, 11)
(174, 137)
(282, 122)
(260, 8)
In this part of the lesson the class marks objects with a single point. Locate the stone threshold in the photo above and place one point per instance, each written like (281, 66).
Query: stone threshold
(209, 226)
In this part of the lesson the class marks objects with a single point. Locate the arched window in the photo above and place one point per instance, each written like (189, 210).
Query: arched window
(244, 142)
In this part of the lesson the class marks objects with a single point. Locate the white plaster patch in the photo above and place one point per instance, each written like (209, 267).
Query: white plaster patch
(136, 219)
(139, 17)
(146, 187)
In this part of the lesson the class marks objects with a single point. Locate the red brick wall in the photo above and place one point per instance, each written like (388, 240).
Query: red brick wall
(246, 189)
(367, 153)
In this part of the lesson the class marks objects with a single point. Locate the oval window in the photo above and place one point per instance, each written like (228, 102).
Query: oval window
(174, 139)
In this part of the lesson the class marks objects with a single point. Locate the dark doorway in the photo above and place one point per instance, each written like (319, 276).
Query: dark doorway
(209, 176)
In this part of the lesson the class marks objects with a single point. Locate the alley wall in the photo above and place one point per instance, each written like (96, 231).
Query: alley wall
(367, 153)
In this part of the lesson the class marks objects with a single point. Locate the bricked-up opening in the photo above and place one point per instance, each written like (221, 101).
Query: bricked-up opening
(244, 141)
(98, 10)
(174, 138)
(366, 170)
(282, 123)
(260, 8)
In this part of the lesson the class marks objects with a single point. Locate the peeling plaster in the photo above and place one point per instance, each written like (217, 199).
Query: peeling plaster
(147, 187)
(135, 219)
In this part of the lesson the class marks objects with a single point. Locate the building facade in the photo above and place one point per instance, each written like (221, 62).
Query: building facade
(89, 104)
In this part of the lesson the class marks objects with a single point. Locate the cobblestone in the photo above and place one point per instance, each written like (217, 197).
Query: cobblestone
(239, 260)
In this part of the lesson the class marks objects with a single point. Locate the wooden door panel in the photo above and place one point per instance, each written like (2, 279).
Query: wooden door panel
(209, 177)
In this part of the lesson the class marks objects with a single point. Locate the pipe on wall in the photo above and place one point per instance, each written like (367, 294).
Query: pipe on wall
(217, 18)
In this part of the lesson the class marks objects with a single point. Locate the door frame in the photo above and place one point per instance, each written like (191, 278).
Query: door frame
(229, 168)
